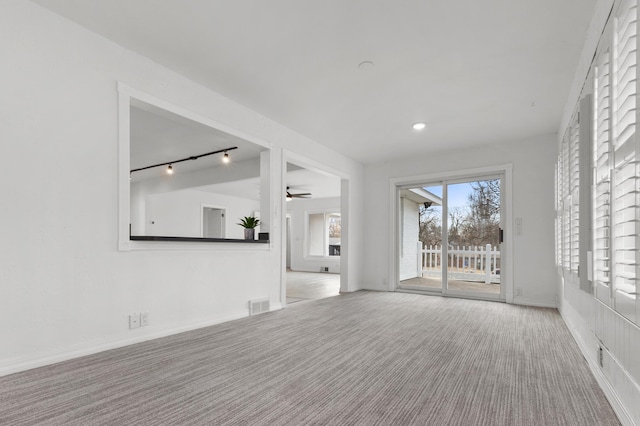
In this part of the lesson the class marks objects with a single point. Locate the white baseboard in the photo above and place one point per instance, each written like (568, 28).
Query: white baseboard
(518, 300)
(89, 348)
(604, 383)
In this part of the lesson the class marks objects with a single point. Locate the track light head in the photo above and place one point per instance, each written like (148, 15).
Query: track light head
(225, 157)
(169, 169)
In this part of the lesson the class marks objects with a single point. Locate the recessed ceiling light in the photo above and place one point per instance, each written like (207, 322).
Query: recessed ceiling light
(366, 65)
(419, 126)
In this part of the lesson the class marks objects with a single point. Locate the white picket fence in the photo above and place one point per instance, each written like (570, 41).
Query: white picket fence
(463, 263)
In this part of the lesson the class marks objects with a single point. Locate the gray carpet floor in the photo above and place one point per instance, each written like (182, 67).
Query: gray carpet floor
(363, 358)
(311, 285)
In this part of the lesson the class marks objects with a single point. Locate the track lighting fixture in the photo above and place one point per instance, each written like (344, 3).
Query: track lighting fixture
(169, 164)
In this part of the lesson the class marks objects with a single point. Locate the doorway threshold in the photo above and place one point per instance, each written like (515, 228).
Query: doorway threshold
(460, 295)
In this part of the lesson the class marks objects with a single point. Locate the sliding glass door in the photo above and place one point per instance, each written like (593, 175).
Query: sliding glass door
(473, 237)
(450, 237)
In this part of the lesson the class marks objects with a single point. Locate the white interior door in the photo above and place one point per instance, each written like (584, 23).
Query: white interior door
(213, 222)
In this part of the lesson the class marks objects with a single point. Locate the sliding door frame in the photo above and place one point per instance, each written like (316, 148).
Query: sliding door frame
(505, 170)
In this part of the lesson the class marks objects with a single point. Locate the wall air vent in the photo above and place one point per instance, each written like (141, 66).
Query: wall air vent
(258, 306)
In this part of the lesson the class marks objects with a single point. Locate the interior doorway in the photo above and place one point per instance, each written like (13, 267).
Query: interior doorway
(288, 242)
(312, 233)
(450, 237)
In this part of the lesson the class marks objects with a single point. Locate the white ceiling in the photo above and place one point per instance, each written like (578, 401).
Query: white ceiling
(159, 136)
(320, 185)
(478, 71)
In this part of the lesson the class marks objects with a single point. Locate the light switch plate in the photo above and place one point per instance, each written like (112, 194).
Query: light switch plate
(134, 320)
(518, 226)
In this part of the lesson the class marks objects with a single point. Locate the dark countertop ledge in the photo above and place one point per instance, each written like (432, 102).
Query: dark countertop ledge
(194, 239)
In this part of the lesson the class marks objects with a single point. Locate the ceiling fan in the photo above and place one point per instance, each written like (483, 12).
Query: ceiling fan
(291, 196)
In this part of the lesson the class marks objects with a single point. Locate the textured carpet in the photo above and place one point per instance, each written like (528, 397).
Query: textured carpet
(364, 358)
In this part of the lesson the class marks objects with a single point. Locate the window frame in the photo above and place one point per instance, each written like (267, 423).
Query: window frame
(325, 244)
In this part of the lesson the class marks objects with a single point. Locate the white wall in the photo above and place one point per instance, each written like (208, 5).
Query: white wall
(297, 209)
(410, 215)
(533, 162)
(178, 213)
(66, 289)
(592, 323)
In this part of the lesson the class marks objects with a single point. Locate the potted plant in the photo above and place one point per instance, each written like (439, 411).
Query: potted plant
(249, 224)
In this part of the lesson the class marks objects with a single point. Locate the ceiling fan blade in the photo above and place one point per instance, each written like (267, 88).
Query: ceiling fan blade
(298, 195)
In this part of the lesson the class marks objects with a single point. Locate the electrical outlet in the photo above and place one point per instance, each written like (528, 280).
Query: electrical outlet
(518, 292)
(144, 319)
(134, 320)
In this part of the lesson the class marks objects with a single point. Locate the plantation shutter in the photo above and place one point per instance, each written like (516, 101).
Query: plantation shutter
(574, 191)
(585, 131)
(625, 71)
(626, 168)
(559, 209)
(566, 205)
(601, 206)
(558, 219)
